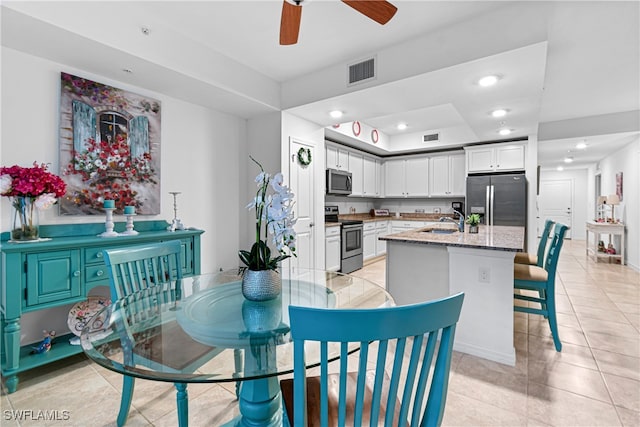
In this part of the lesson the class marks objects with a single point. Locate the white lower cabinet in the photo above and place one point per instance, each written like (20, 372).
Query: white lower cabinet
(369, 240)
(332, 249)
(382, 229)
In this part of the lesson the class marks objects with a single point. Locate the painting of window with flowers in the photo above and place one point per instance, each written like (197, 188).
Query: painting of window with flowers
(109, 148)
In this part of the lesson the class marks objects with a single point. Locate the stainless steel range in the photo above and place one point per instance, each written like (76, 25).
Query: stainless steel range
(350, 239)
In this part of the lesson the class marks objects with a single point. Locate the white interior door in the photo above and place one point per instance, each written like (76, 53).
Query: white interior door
(302, 185)
(556, 202)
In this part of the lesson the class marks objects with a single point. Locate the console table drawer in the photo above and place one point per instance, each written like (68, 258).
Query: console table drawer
(96, 273)
(94, 255)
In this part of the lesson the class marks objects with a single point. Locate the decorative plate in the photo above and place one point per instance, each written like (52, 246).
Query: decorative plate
(356, 128)
(374, 136)
(82, 312)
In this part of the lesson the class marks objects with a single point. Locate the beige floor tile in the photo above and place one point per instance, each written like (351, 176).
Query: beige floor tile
(575, 379)
(597, 313)
(628, 308)
(542, 350)
(625, 392)
(622, 345)
(629, 418)
(618, 364)
(493, 383)
(462, 410)
(618, 329)
(562, 408)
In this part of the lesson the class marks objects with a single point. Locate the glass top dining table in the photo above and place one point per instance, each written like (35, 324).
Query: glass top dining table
(204, 330)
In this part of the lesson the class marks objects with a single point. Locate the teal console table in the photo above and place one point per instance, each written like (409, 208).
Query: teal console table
(60, 271)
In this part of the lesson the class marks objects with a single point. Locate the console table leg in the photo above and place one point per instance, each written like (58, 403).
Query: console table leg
(11, 341)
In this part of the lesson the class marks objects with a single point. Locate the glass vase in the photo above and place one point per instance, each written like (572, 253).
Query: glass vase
(26, 221)
(261, 285)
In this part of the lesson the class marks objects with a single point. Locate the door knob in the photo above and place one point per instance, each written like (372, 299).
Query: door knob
(311, 224)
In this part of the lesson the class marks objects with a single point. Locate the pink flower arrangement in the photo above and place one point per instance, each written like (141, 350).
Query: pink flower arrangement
(18, 181)
(31, 189)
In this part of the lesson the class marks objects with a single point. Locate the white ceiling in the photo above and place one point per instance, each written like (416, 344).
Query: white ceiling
(569, 61)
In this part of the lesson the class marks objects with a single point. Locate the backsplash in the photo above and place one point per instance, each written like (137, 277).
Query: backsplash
(345, 204)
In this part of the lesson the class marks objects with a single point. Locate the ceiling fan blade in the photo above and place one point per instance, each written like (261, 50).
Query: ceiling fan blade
(290, 23)
(380, 11)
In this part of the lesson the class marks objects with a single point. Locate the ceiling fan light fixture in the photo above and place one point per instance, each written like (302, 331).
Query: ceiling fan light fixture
(336, 114)
(499, 113)
(487, 81)
(402, 126)
(505, 132)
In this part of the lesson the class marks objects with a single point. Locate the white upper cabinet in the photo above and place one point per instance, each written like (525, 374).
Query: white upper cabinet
(371, 168)
(447, 175)
(337, 158)
(407, 177)
(357, 174)
(494, 158)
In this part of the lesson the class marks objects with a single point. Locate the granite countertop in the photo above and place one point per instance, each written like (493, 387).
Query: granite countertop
(435, 217)
(495, 237)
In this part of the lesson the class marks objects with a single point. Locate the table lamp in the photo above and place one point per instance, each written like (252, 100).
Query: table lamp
(613, 200)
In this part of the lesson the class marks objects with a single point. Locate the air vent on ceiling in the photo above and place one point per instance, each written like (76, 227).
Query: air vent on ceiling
(430, 137)
(362, 71)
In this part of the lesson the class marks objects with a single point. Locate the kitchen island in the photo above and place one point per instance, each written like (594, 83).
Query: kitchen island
(424, 264)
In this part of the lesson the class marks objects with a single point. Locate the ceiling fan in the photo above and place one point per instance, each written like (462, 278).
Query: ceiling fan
(379, 10)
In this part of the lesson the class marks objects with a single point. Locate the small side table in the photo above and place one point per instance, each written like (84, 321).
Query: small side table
(598, 228)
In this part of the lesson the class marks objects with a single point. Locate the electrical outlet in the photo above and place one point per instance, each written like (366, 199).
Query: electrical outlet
(483, 275)
(436, 210)
(419, 210)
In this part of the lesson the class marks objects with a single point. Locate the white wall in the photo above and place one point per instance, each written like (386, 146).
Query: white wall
(199, 157)
(580, 207)
(627, 161)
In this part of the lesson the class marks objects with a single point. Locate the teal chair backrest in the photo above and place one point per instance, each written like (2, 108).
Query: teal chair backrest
(388, 327)
(135, 268)
(542, 246)
(551, 262)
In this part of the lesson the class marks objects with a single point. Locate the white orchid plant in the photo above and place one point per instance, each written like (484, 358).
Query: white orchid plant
(275, 212)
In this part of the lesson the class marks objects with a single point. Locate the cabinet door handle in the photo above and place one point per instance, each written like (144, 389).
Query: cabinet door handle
(76, 273)
(99, 255)
(99, 273)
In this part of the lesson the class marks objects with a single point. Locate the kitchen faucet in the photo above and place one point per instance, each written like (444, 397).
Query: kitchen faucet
(460, 223)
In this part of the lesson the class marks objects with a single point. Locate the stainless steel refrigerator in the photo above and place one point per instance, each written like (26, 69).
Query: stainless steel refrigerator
(499, 199)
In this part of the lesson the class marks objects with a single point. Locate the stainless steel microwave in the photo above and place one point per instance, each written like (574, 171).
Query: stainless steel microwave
(338, 182)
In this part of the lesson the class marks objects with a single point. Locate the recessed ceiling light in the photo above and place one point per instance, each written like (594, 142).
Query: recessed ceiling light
(488, 81)
(581, 145)
(560, 168)
(499, 113)
(402, 126)
(504, 132)
(336, 114)
(568, 159)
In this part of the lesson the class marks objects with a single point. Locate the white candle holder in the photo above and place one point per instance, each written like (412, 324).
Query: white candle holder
(176, 224)
(129, 227)
(108, 224)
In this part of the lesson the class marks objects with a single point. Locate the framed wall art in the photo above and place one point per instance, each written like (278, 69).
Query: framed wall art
(109, 148)
(619, 185)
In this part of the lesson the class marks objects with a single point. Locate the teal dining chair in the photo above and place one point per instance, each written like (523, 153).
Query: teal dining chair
(157, 268)
(538, 258)
(371, 396)
(541, 280)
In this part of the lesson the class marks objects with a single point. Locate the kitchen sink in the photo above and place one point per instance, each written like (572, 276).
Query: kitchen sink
(440, 231)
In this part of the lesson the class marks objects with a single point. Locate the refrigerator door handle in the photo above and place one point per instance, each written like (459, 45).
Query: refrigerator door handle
(487, 205)
(492, 204)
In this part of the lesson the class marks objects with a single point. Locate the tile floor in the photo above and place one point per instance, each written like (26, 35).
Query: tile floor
(595, 380)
